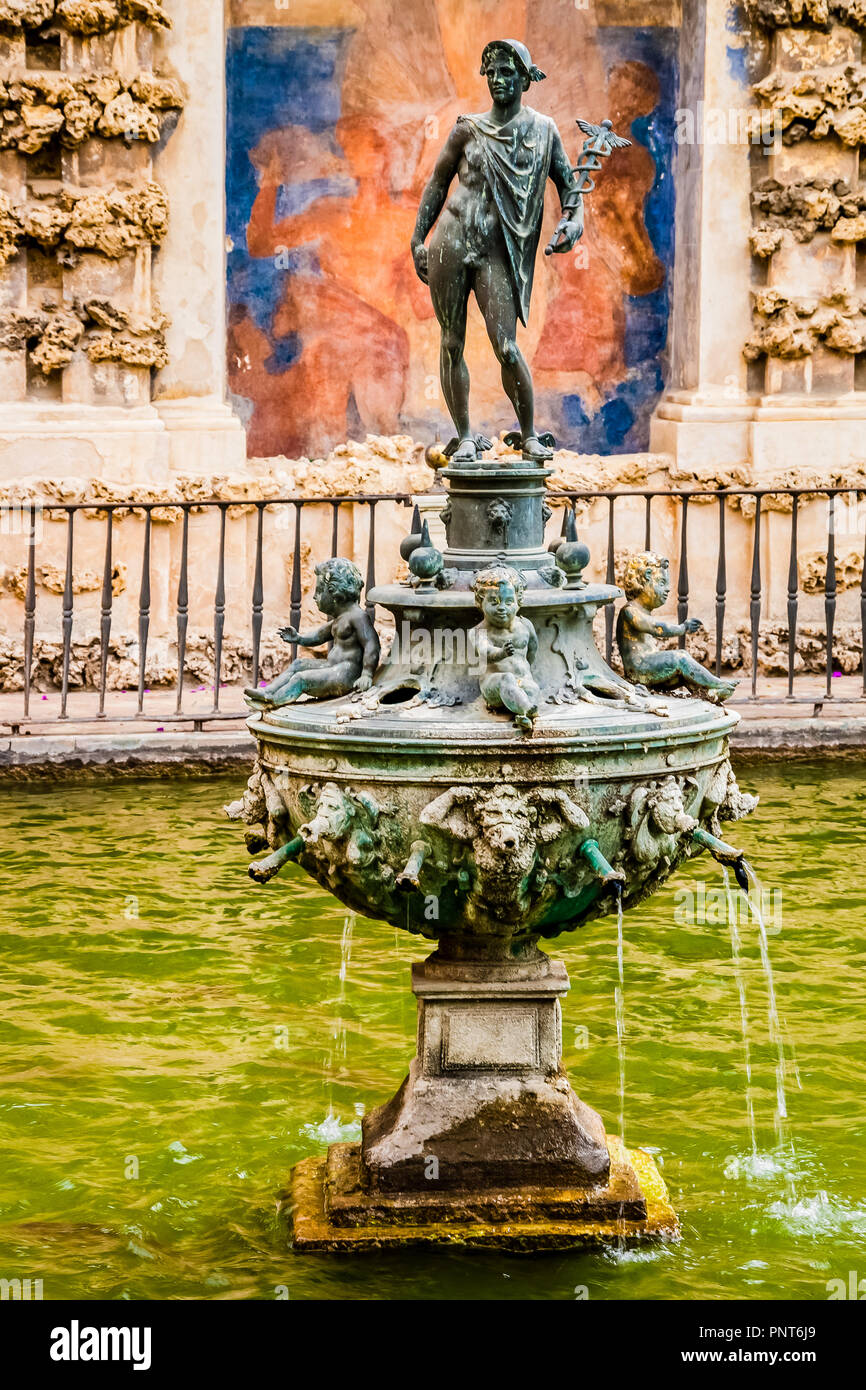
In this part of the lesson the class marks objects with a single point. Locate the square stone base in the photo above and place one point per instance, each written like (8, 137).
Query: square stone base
(333, 1214)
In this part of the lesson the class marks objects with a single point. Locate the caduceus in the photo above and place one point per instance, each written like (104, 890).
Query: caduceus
(600, 142)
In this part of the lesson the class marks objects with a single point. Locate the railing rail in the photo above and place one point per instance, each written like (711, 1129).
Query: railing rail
(632, 517)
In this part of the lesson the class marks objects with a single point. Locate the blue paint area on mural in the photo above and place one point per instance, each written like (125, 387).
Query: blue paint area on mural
(294, 198)
(622, 423)
(276, 78)
(646, 327)
(286, 351)
(738, 63)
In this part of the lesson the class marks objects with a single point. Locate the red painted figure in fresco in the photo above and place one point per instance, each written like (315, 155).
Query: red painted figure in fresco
(357, 287)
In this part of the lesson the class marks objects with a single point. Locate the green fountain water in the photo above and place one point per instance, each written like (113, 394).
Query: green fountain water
(159, 1014)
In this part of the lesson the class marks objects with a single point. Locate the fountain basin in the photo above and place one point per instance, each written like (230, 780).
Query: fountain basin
(501, 816)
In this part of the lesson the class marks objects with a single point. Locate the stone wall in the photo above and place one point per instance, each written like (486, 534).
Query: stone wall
(81, 212)
(112, 318)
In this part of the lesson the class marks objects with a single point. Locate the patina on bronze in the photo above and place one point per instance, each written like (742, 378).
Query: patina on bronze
(647, 586)
(486, 234)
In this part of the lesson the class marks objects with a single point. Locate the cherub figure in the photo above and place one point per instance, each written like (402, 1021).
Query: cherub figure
(507, 644)
(647, 584)
(352, 660)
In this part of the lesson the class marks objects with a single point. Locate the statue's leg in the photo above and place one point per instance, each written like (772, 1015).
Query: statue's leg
(515, 697)
(698, 678)
(278, 686)
(495, 294)
(322, 683)
(490, 690)
(449, 291)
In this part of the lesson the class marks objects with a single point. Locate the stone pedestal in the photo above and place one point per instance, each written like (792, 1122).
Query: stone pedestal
(485, 1137)
(485, 1103)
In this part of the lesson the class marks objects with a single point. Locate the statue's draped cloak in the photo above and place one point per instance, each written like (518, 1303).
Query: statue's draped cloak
(516, 166)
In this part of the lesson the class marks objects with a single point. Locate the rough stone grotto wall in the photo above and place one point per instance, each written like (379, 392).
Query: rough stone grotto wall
(81, 109)
(808, 205)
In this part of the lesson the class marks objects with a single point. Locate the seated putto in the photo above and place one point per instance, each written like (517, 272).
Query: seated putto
(353, 658)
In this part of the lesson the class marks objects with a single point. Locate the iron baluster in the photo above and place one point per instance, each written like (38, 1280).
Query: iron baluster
(721, 587)
(144, 611)
(30, 610)
(67, 615)
(755, 595)
(610, 578)
(182, 609)
(258, 594)
(219, 612)
(830, 592)
(105, 612)
(793, 594)
(295, 594)
(683, 579)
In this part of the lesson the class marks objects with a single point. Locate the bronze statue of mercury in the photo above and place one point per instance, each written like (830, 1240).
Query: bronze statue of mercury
(486, 234)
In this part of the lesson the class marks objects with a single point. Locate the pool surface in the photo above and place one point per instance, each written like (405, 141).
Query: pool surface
(174, 1038)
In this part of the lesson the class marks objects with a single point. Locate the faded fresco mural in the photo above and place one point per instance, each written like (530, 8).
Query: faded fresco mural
(337, 109)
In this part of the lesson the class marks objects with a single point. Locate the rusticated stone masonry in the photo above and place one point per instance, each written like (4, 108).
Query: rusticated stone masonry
(82, 107)
(800, 210)
(85, 17)
(114, 222)
(808, 208)
(782, 14)
(795, 327)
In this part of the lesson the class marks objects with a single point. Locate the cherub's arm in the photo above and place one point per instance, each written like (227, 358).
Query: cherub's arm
(487, 648)
(640, 620)
(364, 630)
(309, 639)
(532, 644)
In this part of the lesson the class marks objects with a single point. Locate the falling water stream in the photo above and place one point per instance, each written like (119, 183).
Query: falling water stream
(744, 1012)
(619, 1000)
(332, 1129)
(777, 1037)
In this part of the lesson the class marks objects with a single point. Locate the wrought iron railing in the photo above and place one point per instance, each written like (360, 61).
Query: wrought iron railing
(615, 522)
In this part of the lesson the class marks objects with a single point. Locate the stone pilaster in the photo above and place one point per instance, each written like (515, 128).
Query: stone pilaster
(767, 330)
(190, 276)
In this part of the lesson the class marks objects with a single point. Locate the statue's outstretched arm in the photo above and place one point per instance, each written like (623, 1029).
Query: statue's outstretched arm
(309, 639)
(642, 621)
(570, 228)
